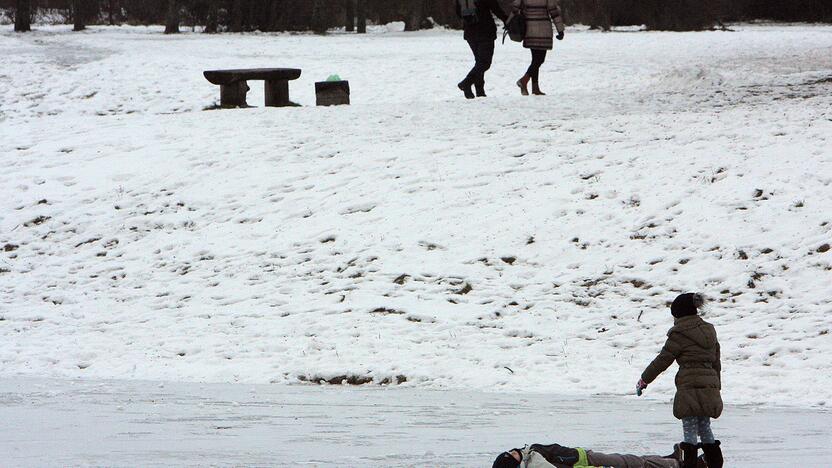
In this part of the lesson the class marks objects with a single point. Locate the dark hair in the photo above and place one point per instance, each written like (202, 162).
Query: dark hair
(687, 304)
(505, 460)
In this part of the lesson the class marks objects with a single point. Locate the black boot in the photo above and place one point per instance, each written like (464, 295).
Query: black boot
(465, 87)
(689, 452)
(480, 87)
(713, 454)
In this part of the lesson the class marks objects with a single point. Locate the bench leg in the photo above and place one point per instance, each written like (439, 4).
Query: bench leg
(234, 95)
(277, 93)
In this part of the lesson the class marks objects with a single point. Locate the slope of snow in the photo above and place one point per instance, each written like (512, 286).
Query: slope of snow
(503, 244)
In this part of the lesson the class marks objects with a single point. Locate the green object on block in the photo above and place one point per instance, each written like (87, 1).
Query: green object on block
(334, 78)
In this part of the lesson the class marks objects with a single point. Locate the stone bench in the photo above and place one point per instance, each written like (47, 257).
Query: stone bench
(233, 86)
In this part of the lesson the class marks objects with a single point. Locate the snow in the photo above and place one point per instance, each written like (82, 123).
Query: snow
(536, 241)
(104, 423)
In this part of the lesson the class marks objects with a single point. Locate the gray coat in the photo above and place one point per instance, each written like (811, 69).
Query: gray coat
(539, 17)
(693, 344)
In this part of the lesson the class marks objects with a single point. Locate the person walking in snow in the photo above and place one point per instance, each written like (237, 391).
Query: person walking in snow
(539, 16)
(480, 32)
(558, 456)
(693, 344)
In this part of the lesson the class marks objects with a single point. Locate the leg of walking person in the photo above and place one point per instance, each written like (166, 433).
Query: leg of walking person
(538, 57)
(485, 56)
(541, 57)
(465, 85)
(523, 82)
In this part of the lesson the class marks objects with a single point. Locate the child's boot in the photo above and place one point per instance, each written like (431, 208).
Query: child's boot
(689, 452)
(713, 454)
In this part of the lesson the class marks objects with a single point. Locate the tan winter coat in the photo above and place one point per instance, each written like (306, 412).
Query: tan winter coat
(538, 23)
(693, 344)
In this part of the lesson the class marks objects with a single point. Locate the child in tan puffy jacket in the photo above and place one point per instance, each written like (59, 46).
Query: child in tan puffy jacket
(693, 344)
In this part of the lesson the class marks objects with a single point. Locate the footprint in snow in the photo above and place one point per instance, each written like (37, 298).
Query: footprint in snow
(360, 208)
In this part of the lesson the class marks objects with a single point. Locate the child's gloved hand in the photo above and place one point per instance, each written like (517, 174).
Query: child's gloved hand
(560, 35)
(640, 386)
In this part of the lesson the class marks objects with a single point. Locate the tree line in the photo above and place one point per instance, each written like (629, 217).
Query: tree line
(213, 16)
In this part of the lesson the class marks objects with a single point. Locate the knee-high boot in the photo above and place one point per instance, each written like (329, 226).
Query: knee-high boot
(713, 454)
(689, 453)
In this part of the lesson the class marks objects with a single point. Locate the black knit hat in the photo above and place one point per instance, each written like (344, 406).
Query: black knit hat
(686, 304)
(505, 460)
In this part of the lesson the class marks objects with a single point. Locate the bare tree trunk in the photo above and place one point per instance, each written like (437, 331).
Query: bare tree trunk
(277, 20)
(414, 16)
(22, 16)
(236, 16)
(318, 17)
(211, 25)
(110, 11)
(677, 15)
(361, 15)
(601, 15)
(172, 18)
(78, 13)
(350, 9)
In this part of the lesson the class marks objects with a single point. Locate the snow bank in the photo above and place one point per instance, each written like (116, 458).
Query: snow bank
(416, 238)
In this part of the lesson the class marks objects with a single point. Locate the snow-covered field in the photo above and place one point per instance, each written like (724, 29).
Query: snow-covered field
(505, 244)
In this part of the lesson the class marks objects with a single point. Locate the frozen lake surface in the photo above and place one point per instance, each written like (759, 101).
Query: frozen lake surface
(130, 423)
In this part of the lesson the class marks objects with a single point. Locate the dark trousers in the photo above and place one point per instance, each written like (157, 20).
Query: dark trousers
(483, 55)
(538, 57)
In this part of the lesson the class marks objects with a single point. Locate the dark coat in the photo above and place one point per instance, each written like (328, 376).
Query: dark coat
(558, 456)
(484, 29)
(693, 344)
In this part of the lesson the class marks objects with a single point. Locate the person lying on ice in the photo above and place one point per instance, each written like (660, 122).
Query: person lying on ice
(557, 456)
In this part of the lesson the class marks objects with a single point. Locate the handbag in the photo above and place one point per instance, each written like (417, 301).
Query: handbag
(468, 11)
(515, 27)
